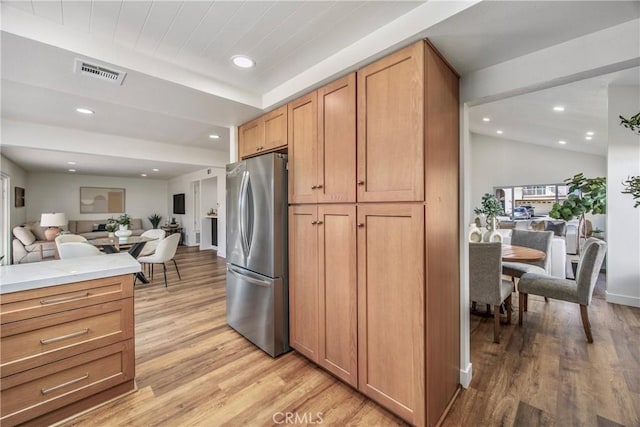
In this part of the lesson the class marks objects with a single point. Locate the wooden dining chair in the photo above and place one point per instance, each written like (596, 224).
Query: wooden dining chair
(486, 285)
(579, 291)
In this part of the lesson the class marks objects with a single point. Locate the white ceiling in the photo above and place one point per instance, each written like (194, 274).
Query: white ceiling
(181, 86)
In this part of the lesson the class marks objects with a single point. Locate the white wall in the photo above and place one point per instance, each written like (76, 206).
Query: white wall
(183, 184)
(54, 192)
(17, 178)
(502, 162)
(623, 225)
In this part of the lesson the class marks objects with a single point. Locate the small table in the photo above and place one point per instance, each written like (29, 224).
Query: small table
(171, 230)
(513, 253)
(111, 245)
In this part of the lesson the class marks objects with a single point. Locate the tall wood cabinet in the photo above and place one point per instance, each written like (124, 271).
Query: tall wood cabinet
(322, 144)
(396, 266)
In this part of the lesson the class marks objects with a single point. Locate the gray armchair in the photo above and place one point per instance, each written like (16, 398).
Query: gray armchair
(486, 285)
(579, 291)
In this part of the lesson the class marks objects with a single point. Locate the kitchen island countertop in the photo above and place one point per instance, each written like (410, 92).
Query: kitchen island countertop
(21, 277)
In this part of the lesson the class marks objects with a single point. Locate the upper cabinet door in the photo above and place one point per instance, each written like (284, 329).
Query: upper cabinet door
(250, 137)
(275, 129)
(336, 180)
(303, 149)
(391, 127)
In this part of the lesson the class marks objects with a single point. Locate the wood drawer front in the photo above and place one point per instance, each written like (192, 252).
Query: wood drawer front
(37, 391)
(33, 342)
(21, 305)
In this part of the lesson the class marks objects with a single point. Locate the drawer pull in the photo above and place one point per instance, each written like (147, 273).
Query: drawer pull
(64, 337)
(50, 389)
(67, 298)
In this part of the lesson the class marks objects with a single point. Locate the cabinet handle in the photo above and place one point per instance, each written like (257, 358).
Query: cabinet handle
(313, 187)
(319, 222)
(319, 186)
(64, 337)
(50, 389)
(67, 298)
(360, 182)
(360, 225)
(314, 222)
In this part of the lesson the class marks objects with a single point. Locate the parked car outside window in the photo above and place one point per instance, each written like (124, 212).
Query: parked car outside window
(529, 208)
(521, 213)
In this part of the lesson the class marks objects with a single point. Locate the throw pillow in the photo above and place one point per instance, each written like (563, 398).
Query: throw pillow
(25, 235)
(558, 228)
(99, 227)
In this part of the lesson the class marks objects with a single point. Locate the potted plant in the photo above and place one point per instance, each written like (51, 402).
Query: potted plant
(112, 225)
(124, 221)
(632, 186)
(490, 207)
(154, 220)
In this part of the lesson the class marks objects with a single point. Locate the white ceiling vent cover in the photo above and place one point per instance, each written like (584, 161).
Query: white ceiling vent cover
(98, 71)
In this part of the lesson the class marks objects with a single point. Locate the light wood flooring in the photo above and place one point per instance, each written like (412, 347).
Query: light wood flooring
(193, 370)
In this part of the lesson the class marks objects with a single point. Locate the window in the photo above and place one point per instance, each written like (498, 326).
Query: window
(537, 199)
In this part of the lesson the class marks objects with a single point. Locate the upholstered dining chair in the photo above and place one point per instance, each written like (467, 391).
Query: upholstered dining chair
(66, 238)
(540, 240)
(77, 250)
(486, 285)
(579, 291)
(150, 246)
(165, 251)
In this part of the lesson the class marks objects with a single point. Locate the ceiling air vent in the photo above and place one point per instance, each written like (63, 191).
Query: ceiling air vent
(98, 71)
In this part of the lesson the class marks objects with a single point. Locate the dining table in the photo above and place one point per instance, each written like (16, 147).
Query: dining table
(133, 245)
(514, 253)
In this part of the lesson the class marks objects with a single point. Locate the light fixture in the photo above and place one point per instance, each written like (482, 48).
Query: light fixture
(143, 174)
(243, 61)
(590, 133)
(71, 163)
(558, 108)
(486, 119)
(155, 170)
(562, 142)
(499, 132)
(214, 136)
(53, 221)
(588, 138)
(72, 170)
(84, 111)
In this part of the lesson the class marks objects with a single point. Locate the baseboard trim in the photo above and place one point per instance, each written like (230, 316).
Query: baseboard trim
(622, 299)
(465, 376)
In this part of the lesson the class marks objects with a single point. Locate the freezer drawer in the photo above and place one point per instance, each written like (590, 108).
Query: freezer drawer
(257, 308)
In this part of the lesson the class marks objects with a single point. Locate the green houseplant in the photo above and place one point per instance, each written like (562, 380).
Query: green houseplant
(491, 208)
(124, 220)
(154, 220)
(632, 184)
(632, 123)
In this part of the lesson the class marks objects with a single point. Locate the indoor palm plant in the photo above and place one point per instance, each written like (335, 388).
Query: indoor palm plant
(154, 220)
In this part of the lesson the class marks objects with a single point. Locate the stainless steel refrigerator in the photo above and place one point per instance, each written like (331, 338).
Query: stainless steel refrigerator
(257, 261)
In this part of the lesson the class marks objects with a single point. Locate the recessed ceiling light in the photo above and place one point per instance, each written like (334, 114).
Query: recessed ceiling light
(499, 132)
(243, 61)
(486, 119)
(155, 170)
(84, 111)
(214, 136)
(561, 142)
(588, 138)
(590, 133)
(71, 163)
(558, 108)
(72, 170)
(143, 174)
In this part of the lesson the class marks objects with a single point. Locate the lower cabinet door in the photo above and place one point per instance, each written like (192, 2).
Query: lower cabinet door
(391, 308)
(303, 280)
(338, 352)
(31, 393)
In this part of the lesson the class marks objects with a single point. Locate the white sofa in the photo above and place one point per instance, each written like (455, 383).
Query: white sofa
(558, 264)
(30, 244)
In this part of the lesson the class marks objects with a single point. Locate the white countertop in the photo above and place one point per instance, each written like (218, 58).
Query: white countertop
(21, 277)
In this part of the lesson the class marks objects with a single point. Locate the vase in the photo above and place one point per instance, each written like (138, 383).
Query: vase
(492, 234)
(123, 231)
(475, 234)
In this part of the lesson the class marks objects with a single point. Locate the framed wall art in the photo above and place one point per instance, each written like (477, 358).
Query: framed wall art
(19, 197)
(101, 200)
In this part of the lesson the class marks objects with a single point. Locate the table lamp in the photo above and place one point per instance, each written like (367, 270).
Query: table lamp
(53, 221)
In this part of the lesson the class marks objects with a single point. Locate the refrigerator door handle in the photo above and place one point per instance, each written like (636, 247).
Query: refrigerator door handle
(242, 217)
(246, 278)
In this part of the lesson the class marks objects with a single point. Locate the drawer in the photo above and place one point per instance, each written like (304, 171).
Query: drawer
(21, 305)
(32, 393)
(33, 342)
